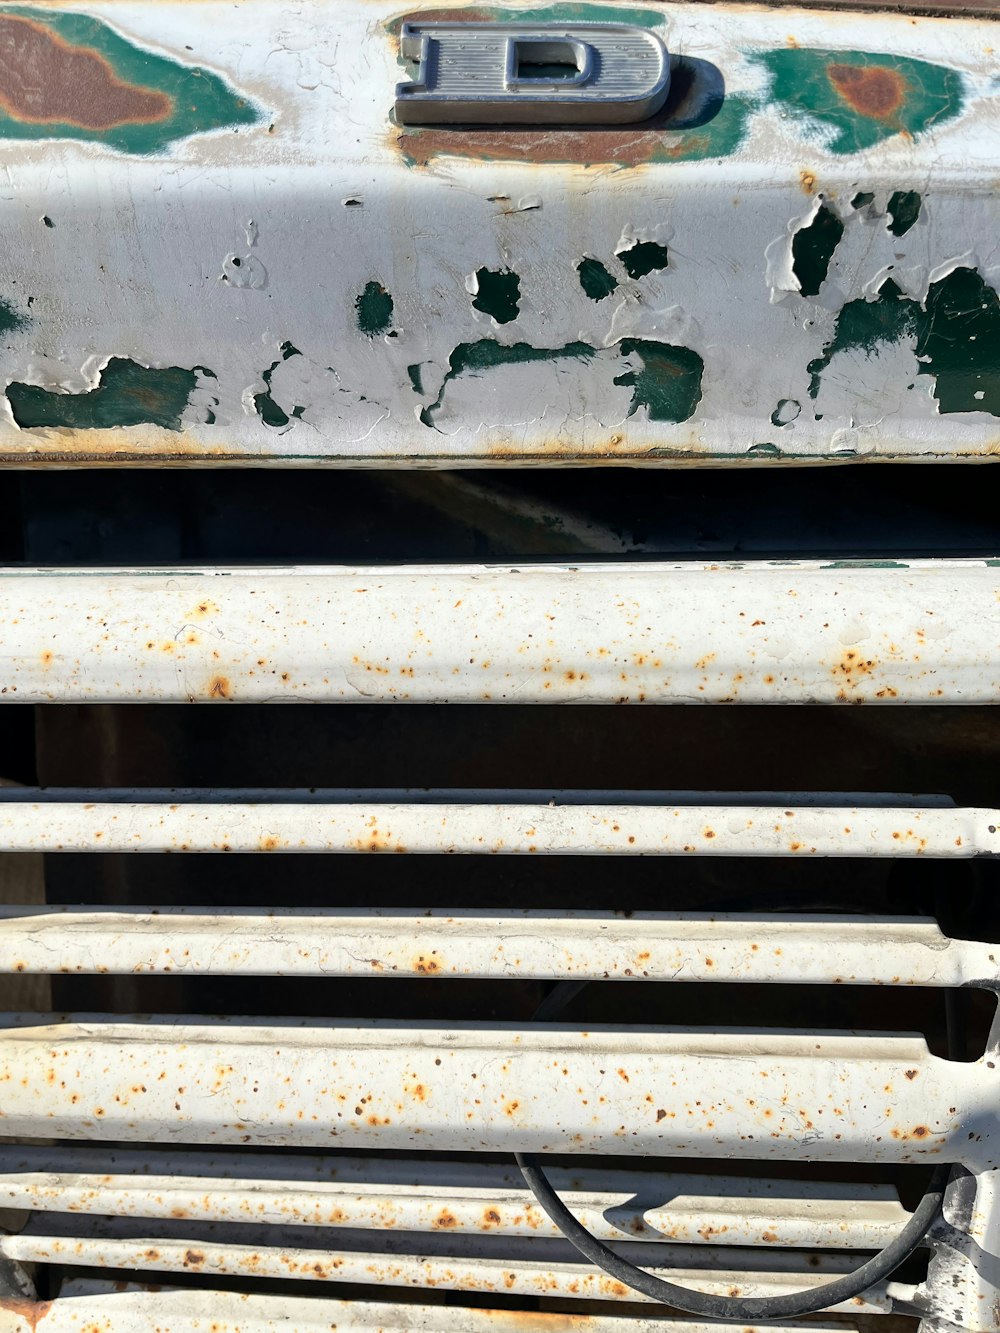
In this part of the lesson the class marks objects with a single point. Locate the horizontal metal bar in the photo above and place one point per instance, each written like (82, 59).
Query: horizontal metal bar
(528, 1267)
(596, 945)
(597, 830)
(117, 1308)
(492, 1087)
(112, 1309)
(454, 1197)
(766, 632)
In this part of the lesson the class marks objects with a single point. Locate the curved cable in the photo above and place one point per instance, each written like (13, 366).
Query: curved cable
(736, 1308)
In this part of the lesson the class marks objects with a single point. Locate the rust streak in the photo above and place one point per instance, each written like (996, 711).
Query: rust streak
(30, 1312)
(46, 81)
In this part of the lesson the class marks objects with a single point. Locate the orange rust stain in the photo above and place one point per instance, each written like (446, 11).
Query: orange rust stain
(204, 608)
(193, 1258)
(853, 664)
(426, 966)
(911, 1074)
(31, 1313)
(491, 1218)
(875, 91)
(269, 843)
(918, 1132)
(445, 1220)
(220, 688)
(47, 659)
(47, 81)
(807, 180)
(769, 1236)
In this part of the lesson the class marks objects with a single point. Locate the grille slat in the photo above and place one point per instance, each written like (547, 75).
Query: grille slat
(121, 1308)
(769, 632)
(433, 1195)
(808, 1096)
(525, 1267)
(639, 946)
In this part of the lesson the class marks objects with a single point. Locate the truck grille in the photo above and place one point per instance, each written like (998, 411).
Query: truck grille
(297, 1053)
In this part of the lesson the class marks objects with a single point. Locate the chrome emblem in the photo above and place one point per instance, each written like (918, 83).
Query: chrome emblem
(531, 73)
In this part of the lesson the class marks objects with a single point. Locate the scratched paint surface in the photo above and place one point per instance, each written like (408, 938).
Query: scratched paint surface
(778, 267)
(68, 75)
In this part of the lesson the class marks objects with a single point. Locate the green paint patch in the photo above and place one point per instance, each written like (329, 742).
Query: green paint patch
(374, 307)
(866, 325)
(862, 98)
(269, 411)
(479, 357)
(11, 320)
(573, 12)
(786, 412)
(813, 248)
(904, 209)
(128, 395)
(595, 279)
(89, 83)
(668, 382)
(719, 137)
(498, 294)
(862, 199)
(865, 564)
(643, 257)
(959, 343)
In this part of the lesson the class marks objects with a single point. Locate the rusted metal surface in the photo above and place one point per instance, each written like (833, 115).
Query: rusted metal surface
(117, 1309)
(494, 1087)
(376, 1193)
(631, 946)
(512, 1268)
(479, 828)
(763, 632)
(751, 338)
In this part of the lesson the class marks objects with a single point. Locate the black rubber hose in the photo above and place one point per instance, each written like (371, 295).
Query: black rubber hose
(737, 1308)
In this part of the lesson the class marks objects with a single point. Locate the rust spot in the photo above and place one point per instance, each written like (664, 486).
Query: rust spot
(807, 180)
(921, 1132)
(874, 90)
(911, 1074)
(445, 1220)
(491, 1218)
(269, 843)
(769, 1236)
(193, 1258)
(426, 966)
(47, 655)
(46, 81)
(220, 688)
(660, 1115)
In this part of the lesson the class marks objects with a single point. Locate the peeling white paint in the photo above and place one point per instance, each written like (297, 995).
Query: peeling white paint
(318, 200)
